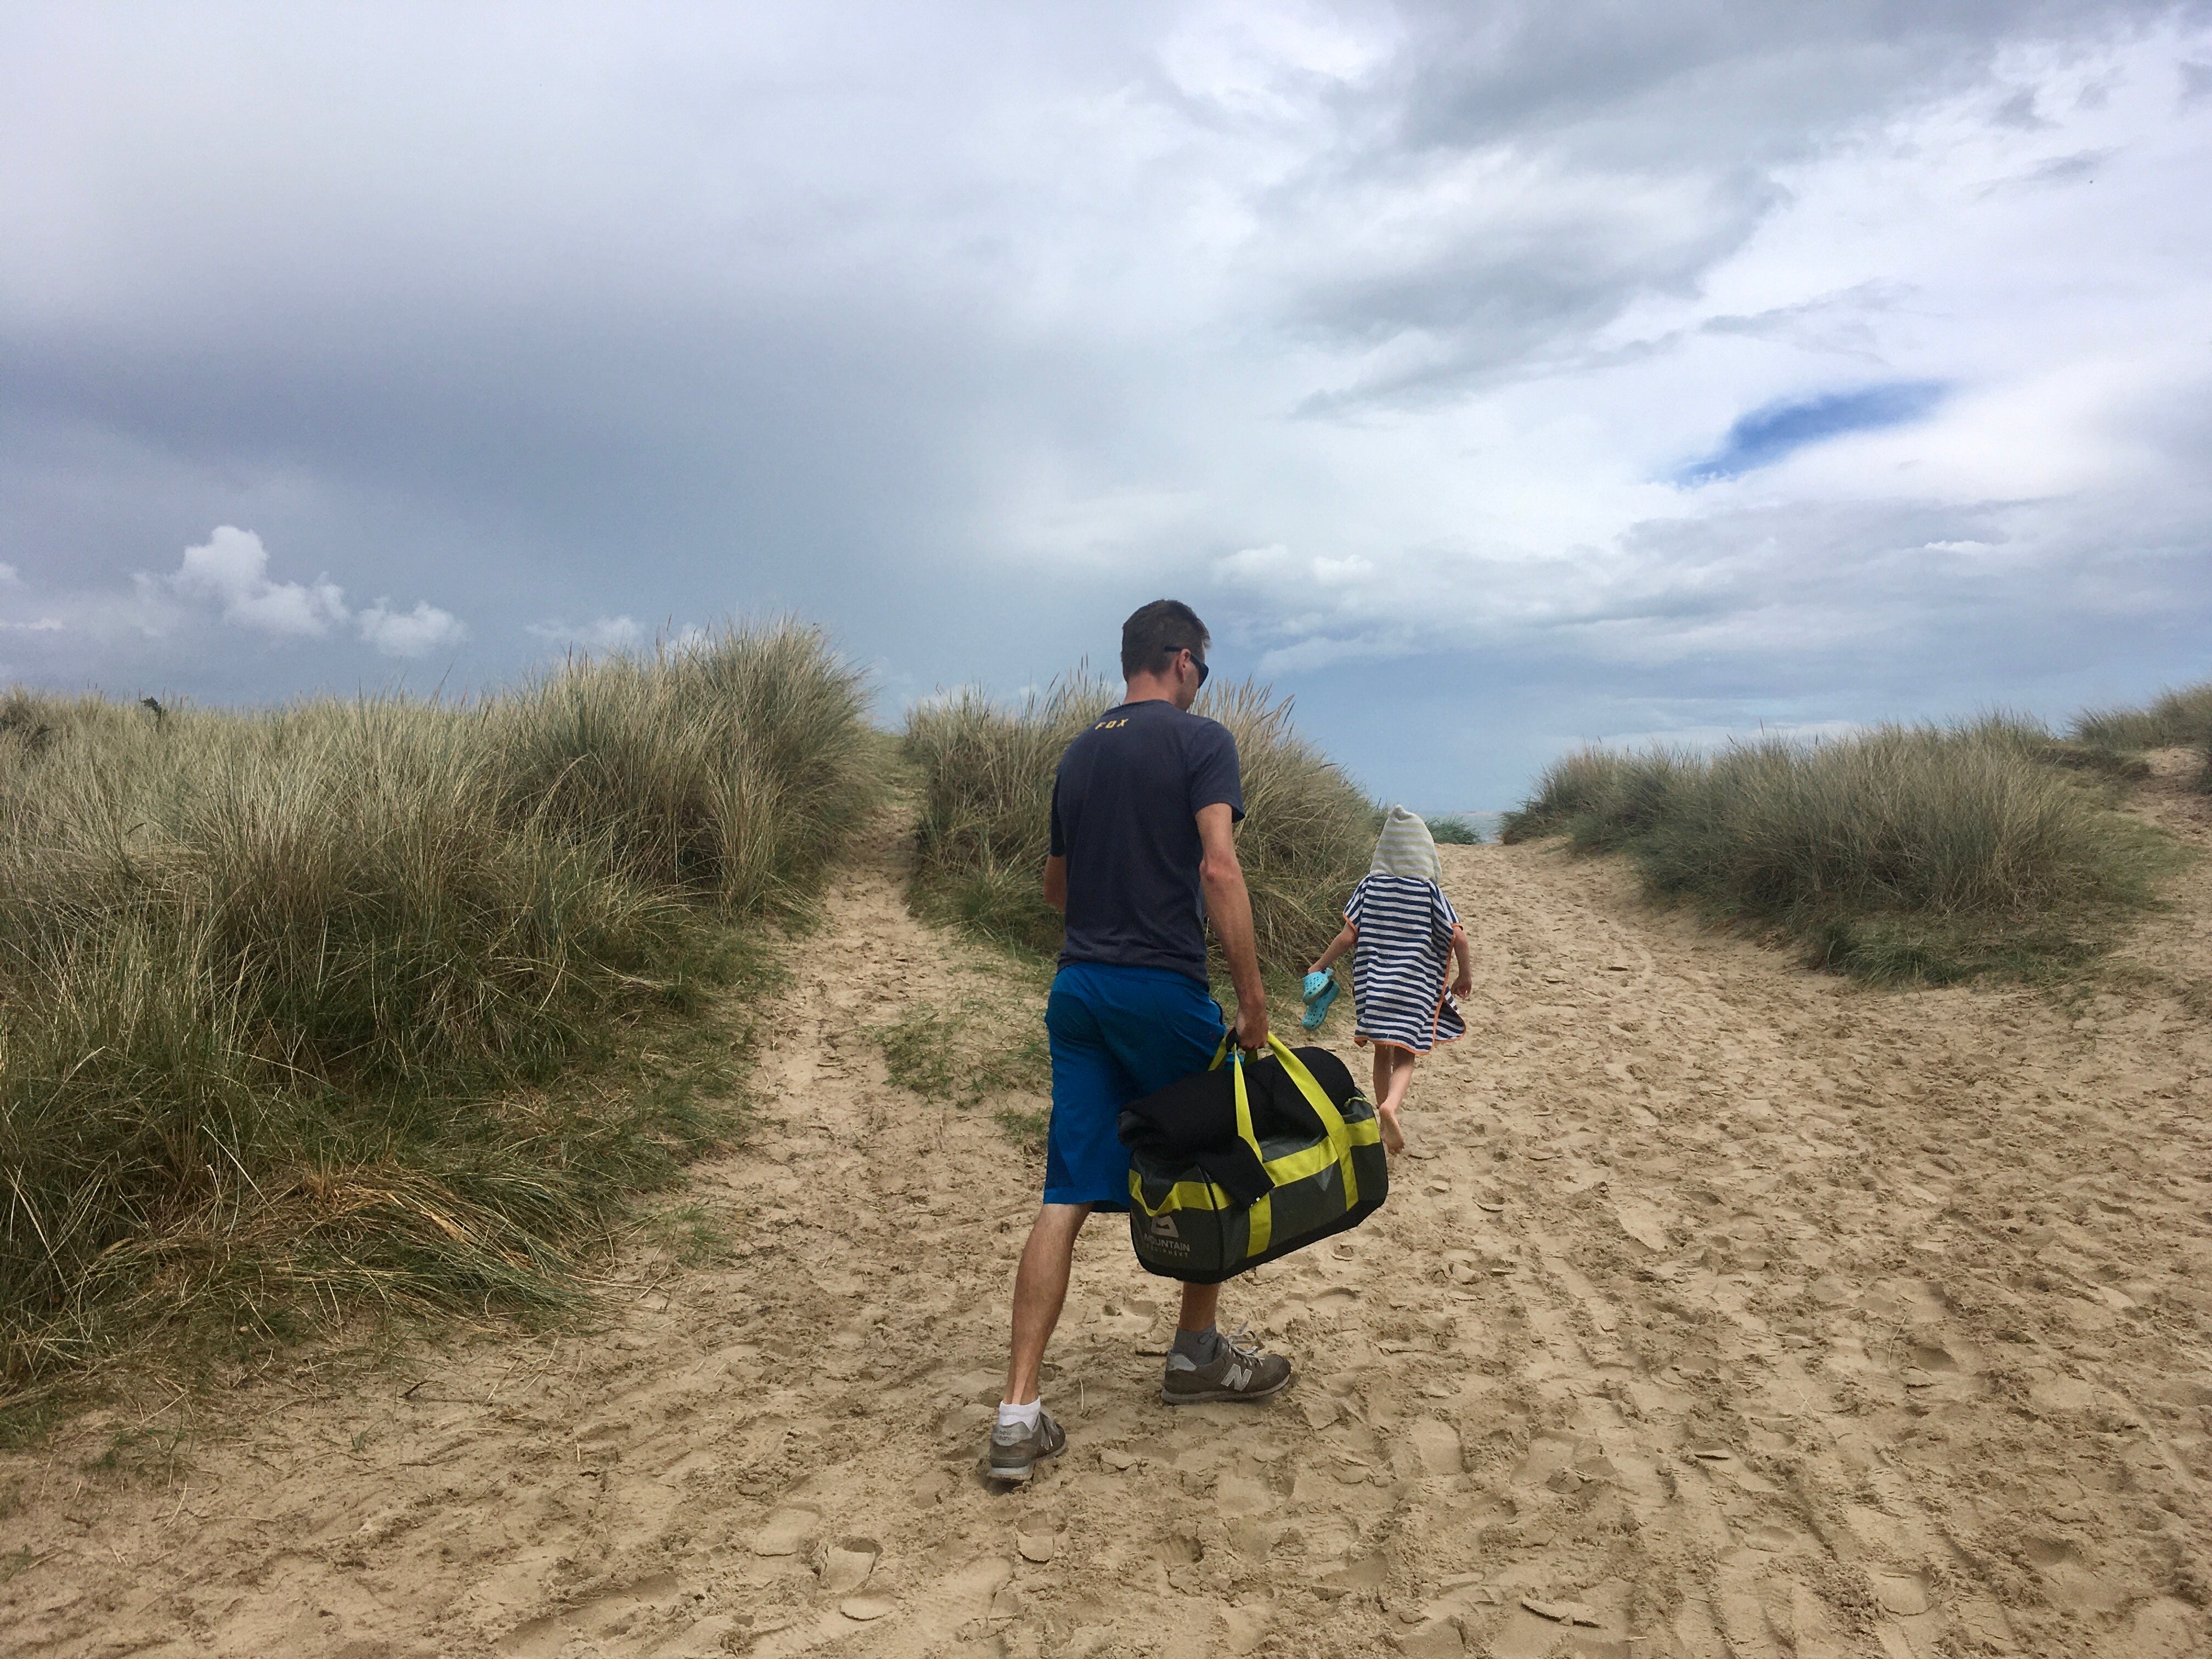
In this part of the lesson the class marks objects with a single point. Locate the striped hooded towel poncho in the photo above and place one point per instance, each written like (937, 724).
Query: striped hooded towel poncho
(1405, 924)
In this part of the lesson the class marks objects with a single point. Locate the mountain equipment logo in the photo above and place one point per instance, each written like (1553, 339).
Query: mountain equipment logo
(1159, 1238)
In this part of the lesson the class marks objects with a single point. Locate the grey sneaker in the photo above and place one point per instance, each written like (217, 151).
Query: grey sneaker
(1239, 1371)
(1016, 1452)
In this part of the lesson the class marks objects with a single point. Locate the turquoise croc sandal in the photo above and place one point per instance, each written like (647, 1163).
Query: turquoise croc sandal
(1320, 990)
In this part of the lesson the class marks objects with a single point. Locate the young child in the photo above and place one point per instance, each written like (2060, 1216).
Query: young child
(1400, 927)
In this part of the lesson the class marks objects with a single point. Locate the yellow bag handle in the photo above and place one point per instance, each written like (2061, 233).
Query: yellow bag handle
(1332, 1120)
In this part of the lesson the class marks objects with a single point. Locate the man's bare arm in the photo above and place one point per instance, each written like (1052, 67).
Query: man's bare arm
(1056, 884)
(1228, 907)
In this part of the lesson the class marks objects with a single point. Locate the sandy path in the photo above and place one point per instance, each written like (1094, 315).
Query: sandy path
(1742, 1312)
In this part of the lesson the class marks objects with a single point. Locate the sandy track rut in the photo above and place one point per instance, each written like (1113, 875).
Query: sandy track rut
(1721, 1310)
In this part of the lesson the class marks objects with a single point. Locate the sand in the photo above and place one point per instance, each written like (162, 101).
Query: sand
(1719, 1309)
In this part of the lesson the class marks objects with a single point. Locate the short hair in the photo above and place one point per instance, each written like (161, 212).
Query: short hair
(1155, 632)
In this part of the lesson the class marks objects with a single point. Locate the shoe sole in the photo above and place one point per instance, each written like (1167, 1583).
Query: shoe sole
(1018, 1477)
(1213, 1396)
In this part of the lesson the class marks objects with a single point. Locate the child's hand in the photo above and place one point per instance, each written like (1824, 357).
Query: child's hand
(1463, 987)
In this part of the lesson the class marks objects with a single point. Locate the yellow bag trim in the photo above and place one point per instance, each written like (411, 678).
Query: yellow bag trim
(1334, 1148)
(1183, 1195)
(1296, 1166)
(1338, 1138)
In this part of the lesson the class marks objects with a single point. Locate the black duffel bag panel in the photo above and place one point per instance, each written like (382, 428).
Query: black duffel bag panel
(1185, 1225)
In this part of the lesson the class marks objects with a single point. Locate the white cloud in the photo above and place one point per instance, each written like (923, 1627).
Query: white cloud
(1515, 502)
(410, 632)
(1421, 306)
(602, 633)
(229, 571)
(8, 576)
(232, 568)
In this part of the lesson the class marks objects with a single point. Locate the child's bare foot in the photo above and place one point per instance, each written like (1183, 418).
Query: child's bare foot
(1393, 1138)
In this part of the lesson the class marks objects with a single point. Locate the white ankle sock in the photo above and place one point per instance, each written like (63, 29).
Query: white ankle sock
(1020, 1417)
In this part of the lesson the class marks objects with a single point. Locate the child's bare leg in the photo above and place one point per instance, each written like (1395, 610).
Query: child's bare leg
(1393, 1070)
(1386, 1067)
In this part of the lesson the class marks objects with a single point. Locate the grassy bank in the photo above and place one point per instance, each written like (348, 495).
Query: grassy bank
(295, 1001)
(987, 771)
(1905, 854)
(2178, 719)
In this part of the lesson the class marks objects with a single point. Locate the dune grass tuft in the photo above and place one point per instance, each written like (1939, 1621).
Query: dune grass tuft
(1905, 852)
(293, 1001)
(2176, 719)
(988, 774)
(1453, 831)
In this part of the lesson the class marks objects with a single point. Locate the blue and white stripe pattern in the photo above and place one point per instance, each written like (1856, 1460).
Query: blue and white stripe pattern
(1398, 964)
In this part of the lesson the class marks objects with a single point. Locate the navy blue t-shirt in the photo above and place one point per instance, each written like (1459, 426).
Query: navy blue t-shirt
(1124, 811)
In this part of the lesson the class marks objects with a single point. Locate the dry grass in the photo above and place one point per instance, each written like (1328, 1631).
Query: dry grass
(2177, 719)
(282, 991)
(988, 774)
(2174, 719)
(1903, 853)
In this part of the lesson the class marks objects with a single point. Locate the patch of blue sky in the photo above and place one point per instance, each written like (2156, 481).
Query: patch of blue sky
(1767, 435)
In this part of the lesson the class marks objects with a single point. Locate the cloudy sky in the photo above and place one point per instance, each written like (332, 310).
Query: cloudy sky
(1491, 377)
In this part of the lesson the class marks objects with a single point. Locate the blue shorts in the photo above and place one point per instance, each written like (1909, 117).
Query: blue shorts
(1118, 1034)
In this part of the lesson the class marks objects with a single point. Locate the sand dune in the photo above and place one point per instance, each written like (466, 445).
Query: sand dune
(1721, 1308)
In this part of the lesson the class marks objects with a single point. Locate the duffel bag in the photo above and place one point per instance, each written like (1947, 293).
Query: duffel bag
(1184, 1225)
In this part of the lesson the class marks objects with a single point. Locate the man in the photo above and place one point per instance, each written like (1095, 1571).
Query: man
(1142, 858)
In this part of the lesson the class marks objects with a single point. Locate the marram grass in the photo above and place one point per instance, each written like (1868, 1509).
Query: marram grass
(290, 1003)
(1903, 853)
(987, 772)
(2176, 719)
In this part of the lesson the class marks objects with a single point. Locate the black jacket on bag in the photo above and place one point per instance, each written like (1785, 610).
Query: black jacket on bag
(1194, 1120)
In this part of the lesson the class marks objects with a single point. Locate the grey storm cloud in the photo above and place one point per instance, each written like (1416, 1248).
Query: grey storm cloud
(1378, 330)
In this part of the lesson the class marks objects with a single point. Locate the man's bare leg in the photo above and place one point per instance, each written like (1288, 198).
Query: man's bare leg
(1040, 1292)
(1200, 1303)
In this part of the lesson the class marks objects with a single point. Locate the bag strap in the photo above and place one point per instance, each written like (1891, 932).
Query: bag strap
(1332, 1120)
(1245, 1132)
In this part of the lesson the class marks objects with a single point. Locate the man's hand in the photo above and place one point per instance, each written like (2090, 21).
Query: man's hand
(1251, 1025)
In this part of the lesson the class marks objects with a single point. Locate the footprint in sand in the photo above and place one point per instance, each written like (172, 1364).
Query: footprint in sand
(1437, 1444)
(1548, 1455)
(1903, 1594)
(848, 1564)
(786, 1532)
(1128, 1324)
